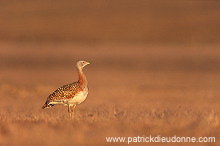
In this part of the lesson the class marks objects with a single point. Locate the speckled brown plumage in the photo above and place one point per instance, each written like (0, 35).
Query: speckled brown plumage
(65, 92)
(71, 94)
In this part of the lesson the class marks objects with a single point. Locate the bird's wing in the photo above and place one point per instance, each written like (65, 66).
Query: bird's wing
(65, 92)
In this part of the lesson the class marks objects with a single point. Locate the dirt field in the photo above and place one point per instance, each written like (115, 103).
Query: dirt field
(155, 70)
(134, 90)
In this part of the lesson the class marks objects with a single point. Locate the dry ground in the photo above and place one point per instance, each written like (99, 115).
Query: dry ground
(135, 90)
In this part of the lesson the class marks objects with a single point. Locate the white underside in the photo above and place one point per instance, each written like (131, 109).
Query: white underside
(79, 98)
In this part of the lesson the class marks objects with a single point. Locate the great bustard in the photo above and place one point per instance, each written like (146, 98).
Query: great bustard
(71, 94)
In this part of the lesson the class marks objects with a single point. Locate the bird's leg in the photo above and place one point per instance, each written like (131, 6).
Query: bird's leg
(73, 110)
(69, 111)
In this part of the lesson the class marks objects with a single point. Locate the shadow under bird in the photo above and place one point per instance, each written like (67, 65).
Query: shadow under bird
(71, 94)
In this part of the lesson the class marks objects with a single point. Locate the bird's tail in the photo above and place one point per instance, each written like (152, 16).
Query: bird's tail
(47, 105)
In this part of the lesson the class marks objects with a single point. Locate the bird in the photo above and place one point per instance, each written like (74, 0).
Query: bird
(70, 94)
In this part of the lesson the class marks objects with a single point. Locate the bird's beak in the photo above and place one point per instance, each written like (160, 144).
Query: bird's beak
(87, 63)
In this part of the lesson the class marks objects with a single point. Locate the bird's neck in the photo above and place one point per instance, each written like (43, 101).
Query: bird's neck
(82, 78)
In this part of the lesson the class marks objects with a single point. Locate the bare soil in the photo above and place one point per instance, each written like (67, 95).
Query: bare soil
(134, 90)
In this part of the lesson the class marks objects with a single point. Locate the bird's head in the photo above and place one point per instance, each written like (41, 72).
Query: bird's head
(81, 64)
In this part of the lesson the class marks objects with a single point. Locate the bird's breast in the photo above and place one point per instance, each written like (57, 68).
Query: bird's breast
(78, 98)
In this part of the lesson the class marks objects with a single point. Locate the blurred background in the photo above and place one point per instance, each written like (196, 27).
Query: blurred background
(154, 54)
(143, 34)
(142, 21)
